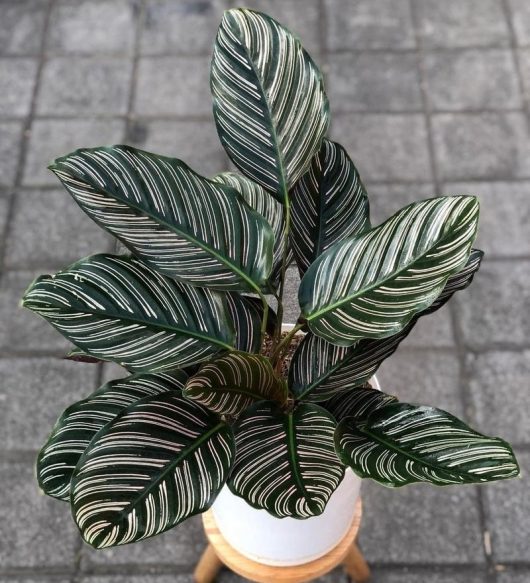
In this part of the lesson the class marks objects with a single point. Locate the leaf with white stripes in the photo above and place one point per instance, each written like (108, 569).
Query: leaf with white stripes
(228, 385)
(372, 285)
(80, 422)
(117, 308)
(286, 461)
(357, 403)
(329, 204)
(320, 369)
(181, 224)
(270, 107)
(267, 206)
(160, 461)
(245, 315)
(401, 444)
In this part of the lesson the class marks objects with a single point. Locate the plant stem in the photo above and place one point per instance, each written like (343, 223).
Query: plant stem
(263, 319)
(285, 252)
(285, 343)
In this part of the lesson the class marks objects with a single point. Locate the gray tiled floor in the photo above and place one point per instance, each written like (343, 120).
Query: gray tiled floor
(428, 97)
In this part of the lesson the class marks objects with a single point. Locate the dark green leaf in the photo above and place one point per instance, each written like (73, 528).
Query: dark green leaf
(117, 308)
(181, 224)
(160, 461)
(329, 204)
(229, 384)
(372, 285)
(78, 424)
(401, 444)
(286, 462)
(270, 107)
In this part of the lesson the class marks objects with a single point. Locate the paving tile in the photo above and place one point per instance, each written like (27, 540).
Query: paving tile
(92, 26)
(291, 307)
(23, 331)
(504, 215)
(18, 79)
(173, 86)
(112, 371)
(454, 23)
(388, 199)
(374, 82)
(34, 579)
(507, 509)
(366, 24)
(420, 524)
(520, 15)
(508, 575)
(305, 24)
(57, 137)
(195, 142)
(336, 576)
(49, 230)
(180, 578)
(524, 63)
(478, 146)
(430, 574)
(494, 80)
(84, 86)
(35, 530)
(4, 209)
(385, 147)
(35, 391)
(22, 26)
(499, 396)
(183, 545)
(11, 135)
(429, 377)
(495, 309)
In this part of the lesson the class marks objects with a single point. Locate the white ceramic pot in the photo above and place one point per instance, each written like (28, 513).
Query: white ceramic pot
(287, 541)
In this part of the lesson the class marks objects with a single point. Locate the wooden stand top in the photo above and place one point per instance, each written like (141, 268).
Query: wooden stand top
(255, 571)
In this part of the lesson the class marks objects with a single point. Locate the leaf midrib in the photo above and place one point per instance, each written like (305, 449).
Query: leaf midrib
(380, 282)
(164, 327)
(171, 227)
(160, 477)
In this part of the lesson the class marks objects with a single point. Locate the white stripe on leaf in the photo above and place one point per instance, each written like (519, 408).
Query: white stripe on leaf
(320, 369)
(229, 384)
(372, 285)
(270, 107)
(117, 308)
(286, 462)
(400, 444)
(80, 422)
(181, 224)
(160, 461)
(329, 204)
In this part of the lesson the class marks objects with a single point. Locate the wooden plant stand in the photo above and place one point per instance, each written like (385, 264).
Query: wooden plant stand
(219, 553)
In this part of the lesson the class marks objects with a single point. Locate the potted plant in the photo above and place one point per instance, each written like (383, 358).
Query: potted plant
(217, 394)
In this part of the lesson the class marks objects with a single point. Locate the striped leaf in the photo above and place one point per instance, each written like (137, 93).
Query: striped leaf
(357, 403)
(160, 461)
(372, 285)
(286, 462)
(228, 385)
(329, 204)
(78, 424)
(319, 369)
(401, 444)
(246, 316)
(181, 224)
(117, 308)
(267, 206)
(270, 107)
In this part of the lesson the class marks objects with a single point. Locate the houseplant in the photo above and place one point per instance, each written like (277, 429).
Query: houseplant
(187, 313)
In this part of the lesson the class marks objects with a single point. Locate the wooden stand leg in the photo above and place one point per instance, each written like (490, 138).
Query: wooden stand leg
(207, 567)
(356, 566)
